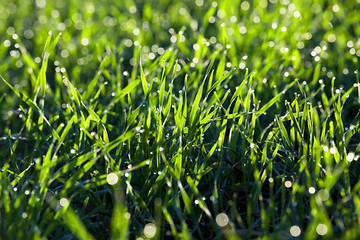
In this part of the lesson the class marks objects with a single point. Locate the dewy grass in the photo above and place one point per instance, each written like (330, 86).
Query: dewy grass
(186, 120)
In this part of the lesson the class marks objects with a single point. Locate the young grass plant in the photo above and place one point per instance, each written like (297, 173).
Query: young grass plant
(184, 120)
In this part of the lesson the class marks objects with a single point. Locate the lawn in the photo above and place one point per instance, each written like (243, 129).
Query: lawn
(166, 119)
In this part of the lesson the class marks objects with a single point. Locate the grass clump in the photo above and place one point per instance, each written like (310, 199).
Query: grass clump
(187, 120)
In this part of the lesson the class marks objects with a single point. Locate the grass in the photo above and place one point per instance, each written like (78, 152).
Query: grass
(179, 119)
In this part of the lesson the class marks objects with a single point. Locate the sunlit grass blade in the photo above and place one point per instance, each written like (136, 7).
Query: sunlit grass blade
(31, 104)
(195, 109)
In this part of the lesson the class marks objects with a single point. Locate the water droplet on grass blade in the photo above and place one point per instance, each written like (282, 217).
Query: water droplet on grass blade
(288, 184)
(127, 215)
(112, 178)
(296, 14)
(150, 230)
(336, 8)
(321, 229)
(63, 202)
(222, 219)
(295, 231)
(311, 190)
(243, 30)
(350, 157)
(332, 150)
(323, 194)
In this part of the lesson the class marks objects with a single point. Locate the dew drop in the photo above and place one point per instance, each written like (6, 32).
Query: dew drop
(295, 231)
(112, 178)
(222, 219)
(321, 229)
(311, 190)
(150, 230)
(63, 202)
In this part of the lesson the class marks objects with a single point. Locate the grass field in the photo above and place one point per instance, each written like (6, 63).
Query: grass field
(179, 119)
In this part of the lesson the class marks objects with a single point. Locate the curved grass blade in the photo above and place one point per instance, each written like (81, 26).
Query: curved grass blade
(31, 104)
